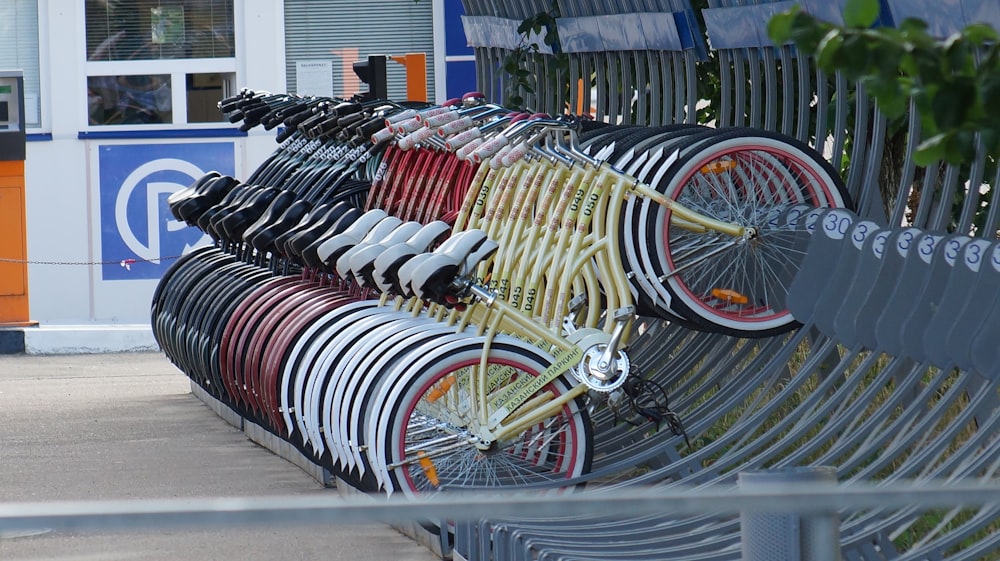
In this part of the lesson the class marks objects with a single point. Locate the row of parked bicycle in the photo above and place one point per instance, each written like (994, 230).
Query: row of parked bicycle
(427, 297)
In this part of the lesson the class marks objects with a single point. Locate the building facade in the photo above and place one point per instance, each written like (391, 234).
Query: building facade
(120, 106)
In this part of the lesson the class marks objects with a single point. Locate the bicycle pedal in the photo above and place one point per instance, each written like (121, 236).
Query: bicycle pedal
(427, 465)
(730, 296)
(718, 167)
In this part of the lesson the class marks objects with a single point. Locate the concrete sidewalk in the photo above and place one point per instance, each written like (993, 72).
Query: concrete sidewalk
(125, 426)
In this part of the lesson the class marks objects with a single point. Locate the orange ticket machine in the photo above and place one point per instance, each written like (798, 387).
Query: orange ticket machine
(13, 231)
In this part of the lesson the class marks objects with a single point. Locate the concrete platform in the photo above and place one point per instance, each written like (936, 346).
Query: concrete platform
(126, 426)
(437, 543)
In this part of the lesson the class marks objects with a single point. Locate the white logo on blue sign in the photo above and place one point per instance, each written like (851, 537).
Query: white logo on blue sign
(136, 225)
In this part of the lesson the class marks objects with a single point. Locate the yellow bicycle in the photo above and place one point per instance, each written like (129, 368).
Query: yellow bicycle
(560, 243)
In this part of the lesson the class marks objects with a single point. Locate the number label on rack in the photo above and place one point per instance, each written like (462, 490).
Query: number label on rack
(836, 224)
(952, 248)
(905, 241)
(878, 245)
(861, 232)
(926, 245)
(974, 254)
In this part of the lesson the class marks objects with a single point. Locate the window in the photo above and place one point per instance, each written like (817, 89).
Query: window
(19, 50)
(340, 33)
(159, 29)
(158, 62)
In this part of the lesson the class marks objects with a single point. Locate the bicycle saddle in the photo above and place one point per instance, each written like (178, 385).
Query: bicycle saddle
(310, 254)
(266, 239)
(192, 190)
(319, 223)
(334, 246)
(359, 261)
(387, 263)
(278, 205)
(194, 201)
(214, 191)
(231, 201)
(235, 223)
(305, 222)
(430, 275)
(344, 247)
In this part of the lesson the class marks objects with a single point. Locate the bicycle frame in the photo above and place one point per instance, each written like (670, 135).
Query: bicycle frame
(577, 202)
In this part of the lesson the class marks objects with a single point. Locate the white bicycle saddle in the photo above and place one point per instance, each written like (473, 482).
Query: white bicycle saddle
(332, 248)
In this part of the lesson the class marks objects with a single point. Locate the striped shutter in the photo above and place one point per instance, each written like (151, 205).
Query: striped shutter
(19, 49)
(343, 31)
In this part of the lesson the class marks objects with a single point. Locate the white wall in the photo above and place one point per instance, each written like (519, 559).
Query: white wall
(63, 219)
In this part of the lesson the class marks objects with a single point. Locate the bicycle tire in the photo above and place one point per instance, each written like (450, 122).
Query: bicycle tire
(558, 449)
(694, 279)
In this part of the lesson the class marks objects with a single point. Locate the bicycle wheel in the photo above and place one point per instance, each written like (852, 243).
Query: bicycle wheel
(749, 177)
(426, 433)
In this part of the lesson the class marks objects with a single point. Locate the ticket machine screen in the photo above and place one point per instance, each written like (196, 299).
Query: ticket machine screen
(8, 107)
(11, 116)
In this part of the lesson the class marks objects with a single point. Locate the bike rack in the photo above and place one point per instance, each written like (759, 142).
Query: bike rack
(885, 381)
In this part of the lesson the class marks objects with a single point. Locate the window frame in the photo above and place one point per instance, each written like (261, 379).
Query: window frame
(176, 68)
(41, 67)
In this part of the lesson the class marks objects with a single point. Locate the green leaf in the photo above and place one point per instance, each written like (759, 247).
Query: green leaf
(954, 148)
(958, 55)
(950, 105)
(854, 55)
(807, 32)
(980, 33)
(514, 102)
(989, 96)
(913, 26)
(779, 28)
(931, 150)
(828, 50)
(861, 13)
(886, 56)
(965, 146)
(890, 96)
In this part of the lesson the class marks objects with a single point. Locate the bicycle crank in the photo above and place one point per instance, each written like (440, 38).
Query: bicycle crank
(604, 367)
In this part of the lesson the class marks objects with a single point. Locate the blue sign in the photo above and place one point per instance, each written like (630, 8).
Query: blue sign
(139, 236)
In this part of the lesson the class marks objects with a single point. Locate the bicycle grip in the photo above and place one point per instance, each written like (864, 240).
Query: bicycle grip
(402, 115)
(350, 119)
(421, 115)
(462, 138)
(465, 151)
(294, 120)
(514, 154)
(369, 128)
(455, 126)
(312, 120)
(414, 138)
(382, 135)
(346, 108)
(496, 162)
(284, 134)
(489, 148)
(442, 119)
(406, 126)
